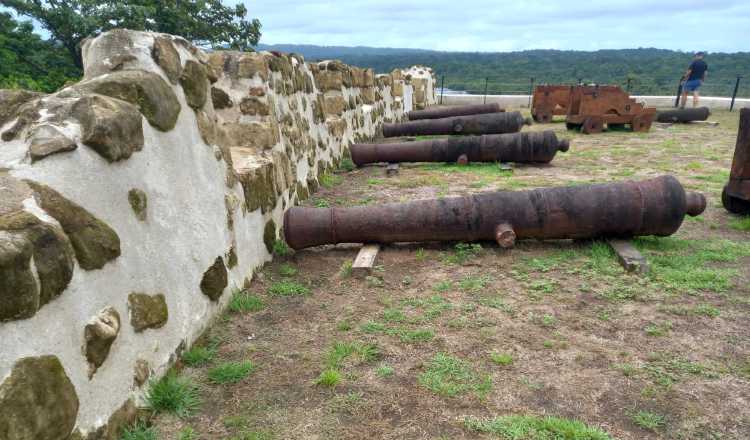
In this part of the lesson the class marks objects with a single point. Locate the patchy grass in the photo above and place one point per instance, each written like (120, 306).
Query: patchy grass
(245, 302)
(536, 428)
(450, 376)
(329, 378)
(140, 431)
(740, 224)
(287, 270)
(648, 420)
(173, 394)
(198, 356)
(463, 252)
(503, 359)
(288, 288)
(384, 371)
(281, 249)
(230, 372)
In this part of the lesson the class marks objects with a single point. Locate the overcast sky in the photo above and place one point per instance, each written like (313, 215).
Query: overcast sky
(485, 25)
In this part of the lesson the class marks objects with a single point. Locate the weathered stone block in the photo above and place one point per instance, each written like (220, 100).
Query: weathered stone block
(167, 57)
(139, 202)
(334, 105)
(253, 63)
(253, 106)
(195, 84)
(11, 101)
(263, 135)
(147, 311)
(220, 99)
(256, 91)
(279, 63)
(94, 242)
(37, 401)
(269, 235)
(110, 126)
(98, 336)
(46, 140)
(397, 89)
(19, 293)
(336, 127)
(327, 80)
(141, 372)
(368, 95)
(215, 280)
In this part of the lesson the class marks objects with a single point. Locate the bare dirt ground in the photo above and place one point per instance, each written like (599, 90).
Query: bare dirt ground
(444, 336)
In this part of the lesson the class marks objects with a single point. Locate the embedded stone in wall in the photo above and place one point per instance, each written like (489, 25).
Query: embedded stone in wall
(258, 186)
(147, 311)
(263, 135)
(94, 242)
(336, 127)
(256, 91)
(327, 80)
(167, 57)
(250, 64)
(195, 84)
(215, 280)
(318, 107)
(109, 52)
(11, 101)
(368, 95)
(37, 401)
(232, 257)
(278, 62)
(220, 99)
(98, 336)
(123, 418)
(141, 372)
(19, 294)
(253, 106)
(46, 140)
(208, 127)
(139, 202)
(334, 105)
(110, 126)
(269, 235)
(148, 91)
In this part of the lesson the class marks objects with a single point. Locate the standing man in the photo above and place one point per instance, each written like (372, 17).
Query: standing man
(694, 77)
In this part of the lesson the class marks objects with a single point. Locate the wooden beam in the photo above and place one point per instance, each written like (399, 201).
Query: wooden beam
(709, 123)
(391, 169)
(629, 257)
(365, 260)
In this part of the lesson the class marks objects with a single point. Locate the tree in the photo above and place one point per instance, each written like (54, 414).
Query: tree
(204, 22)
(27, 61)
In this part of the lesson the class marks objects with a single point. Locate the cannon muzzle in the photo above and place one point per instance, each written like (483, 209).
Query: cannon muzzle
(627, 209)
(683, 115)
(456, 110)
(488, 123)
(736, 194)
(524, 147)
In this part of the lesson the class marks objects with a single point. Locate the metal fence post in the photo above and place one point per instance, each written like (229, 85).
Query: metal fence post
(531, 89)
(679, 92)
(442, 89)
(485, 90)
(734, 94)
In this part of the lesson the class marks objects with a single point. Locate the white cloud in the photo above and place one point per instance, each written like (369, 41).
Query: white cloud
(508, 25)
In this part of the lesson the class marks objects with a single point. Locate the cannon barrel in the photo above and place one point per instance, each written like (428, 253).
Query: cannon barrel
(487, 123)
(649, 207)
(683, 115)
(525, 147)
(736, 194)
(455, 110)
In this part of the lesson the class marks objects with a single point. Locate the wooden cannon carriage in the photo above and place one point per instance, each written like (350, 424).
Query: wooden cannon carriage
(590, 107)
(549, 101)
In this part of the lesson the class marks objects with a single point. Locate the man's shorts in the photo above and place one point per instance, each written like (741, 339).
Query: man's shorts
(692, 85)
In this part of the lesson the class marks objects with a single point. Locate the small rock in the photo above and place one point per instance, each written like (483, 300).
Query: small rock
(167, 57)
(215, 280)
(147, 311)
(110, 126)
(139, 203)
(99, 334)
(141, 372)
(195, 84)
(47, 140)
(220, 99)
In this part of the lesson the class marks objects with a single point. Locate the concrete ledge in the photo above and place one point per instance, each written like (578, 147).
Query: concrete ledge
(522, 101)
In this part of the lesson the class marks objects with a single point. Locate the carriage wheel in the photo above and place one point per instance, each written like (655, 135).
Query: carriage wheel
(641, 123)
(592, 124)
(733, 204)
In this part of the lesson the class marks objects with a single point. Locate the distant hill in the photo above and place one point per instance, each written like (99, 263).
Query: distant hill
(651, 71)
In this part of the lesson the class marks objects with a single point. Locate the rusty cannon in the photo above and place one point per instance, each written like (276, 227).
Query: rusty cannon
(525, 147)
(649, 207)
(683, 115)
(455, 110)
(736, 194)
(487, 123)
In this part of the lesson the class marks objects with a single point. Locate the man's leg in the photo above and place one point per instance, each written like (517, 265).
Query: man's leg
(683, 101)
(695, 98)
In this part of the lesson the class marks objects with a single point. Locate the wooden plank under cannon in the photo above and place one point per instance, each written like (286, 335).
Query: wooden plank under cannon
(629, 257)
(365, 260)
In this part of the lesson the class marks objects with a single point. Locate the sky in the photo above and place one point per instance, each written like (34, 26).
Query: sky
(499, 26)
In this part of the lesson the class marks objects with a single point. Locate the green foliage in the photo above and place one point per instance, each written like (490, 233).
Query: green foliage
(740, 224)
(463, 252)
(287, 270)
(449, 376)
(173, 394)
(198, 356)
(328, 180)
(204, 22)
(503, 359)
(288, 288)
(230, 372)
(187, 433)
(281, 249)
(536, 428)
(140, 431)
(28, 62)
(648, 420)
(329, 378)
(346, 269)
(244, 302)
(347, 165)
(384, 371)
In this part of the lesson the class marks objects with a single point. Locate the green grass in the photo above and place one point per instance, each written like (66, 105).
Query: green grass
(330, 180)
(648, 420)
(740, 224)
(253, 435)
(503, 359)
(344, 325)
(187, 433)
(412, 336)
(288, 288)
(474, 283)
(198, 356)
(535, 428)
(230, 372)
(341, 351)
(245, 302)
(372, 327)
(483, 169)
(173, 394)
(140, 431)
(281, 249)
(463, 252)
(393, 315)
(658, 329)
(384, 371)
(443, 286)
(449, 376)
(347, 164)
(346, 269)
(329, 378)
(287, 270)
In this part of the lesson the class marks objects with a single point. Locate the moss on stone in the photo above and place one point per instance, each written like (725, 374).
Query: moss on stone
(231, 258)
(194, 83)
(139, 203)
(111, 127)
(269, 235)
(167, 57)
(147, 311)
(220, 99)
(215, 279)
(37, 401)
(99, 335)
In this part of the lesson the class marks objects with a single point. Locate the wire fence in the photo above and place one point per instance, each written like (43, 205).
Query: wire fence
(733, 88)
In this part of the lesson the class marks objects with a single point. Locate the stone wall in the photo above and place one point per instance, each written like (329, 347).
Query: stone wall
(133, 202)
